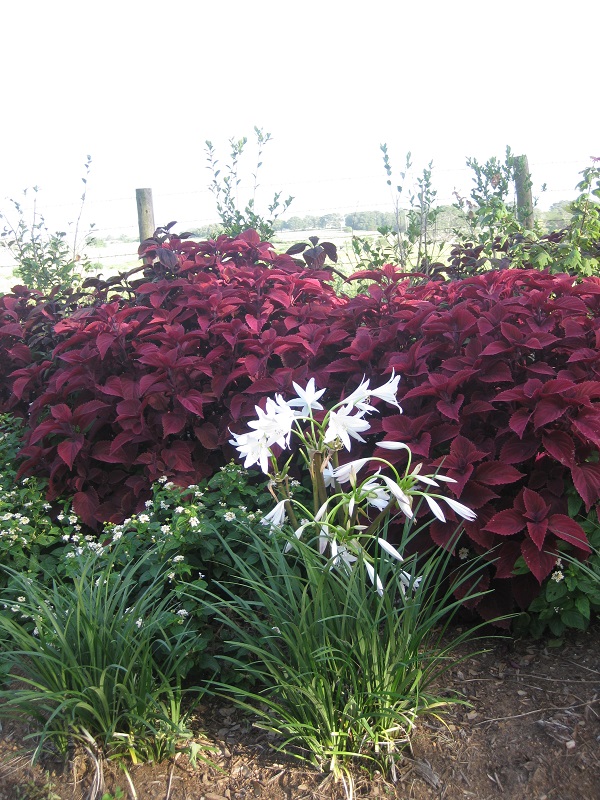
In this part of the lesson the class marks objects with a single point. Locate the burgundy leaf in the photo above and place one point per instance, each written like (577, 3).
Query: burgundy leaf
(193, 401)
(208, 435)
(560, 446)
(537, 532)
(506, 523)
(540, 562)
(496, 474)
(172, 423)
(68, 450)
(519, 421)
(566, 528)
(587, 423)
(85, 505)
(296, 248)
(548, 410)
(506, 557)
(586, 478)
(515, 451)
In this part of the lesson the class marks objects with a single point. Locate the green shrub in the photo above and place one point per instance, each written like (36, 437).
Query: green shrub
(570, 596)
(225, 185)
(45, 260)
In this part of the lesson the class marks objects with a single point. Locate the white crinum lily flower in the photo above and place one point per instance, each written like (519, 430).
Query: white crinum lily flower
(407, 580)
(328, 476)
(298, 534)
(254, 448)
(342, 426)
(360, 396)
(342, 474)
(374, 493)
(374, 578)
(402, 499)
(435, 508)
(307, 398)
(276, 516)
(386, 445)
(275, 423)
(388, 391)
(390, 549)
(341, 556)
(462, 510)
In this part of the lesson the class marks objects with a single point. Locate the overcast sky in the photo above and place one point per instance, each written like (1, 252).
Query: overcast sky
(140, 86)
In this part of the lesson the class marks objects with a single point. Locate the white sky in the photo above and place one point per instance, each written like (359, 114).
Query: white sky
(140, 86)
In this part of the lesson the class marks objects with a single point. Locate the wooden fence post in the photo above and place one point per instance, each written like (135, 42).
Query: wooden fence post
(145, 211)
(523, 186)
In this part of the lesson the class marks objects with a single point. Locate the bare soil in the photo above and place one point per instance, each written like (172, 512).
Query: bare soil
(532, 733)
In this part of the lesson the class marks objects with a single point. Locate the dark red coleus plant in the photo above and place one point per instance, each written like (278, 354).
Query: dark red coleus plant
(500, 383)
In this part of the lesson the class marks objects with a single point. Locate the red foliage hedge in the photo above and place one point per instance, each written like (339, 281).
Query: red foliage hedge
(500, 382)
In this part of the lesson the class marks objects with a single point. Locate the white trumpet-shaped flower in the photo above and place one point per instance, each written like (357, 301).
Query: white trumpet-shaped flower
(388, 391)
(276, 516)
(341, 556)
(386, 445)
(342, 474)
(360, 396)
(307, 399)
(275, 422)
(435, 508)
(342, 426)
(374, 578)
(390, 549)
(374, 494)
(402, 499)
(254, 448)
(462, 510)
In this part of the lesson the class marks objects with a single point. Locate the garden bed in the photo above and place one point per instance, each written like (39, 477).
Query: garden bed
(532, 733)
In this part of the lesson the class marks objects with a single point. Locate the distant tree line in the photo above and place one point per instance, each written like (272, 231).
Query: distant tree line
(358, 220)
(448, 219)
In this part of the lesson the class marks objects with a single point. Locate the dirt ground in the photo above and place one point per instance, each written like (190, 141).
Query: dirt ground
(532, 733)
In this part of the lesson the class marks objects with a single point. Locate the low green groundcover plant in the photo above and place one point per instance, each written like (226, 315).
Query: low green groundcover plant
(97, 659)
(570, 597)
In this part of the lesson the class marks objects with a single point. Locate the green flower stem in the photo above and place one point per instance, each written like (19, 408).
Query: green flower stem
(289, 509)
(318, 482)
(377, 523)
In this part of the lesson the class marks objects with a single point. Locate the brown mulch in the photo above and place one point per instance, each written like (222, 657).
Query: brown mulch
(532, 733)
